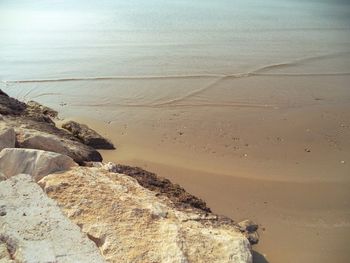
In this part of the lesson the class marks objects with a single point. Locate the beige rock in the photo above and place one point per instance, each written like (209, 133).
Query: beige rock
(34, 139)
(132, 224)
(37, 163)
(34, 230)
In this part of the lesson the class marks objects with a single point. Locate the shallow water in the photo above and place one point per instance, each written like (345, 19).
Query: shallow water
(93, 39)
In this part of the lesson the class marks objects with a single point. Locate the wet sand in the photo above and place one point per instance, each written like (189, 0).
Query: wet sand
(273, 148)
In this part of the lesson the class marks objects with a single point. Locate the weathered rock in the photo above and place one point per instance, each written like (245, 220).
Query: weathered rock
(253, 237)
(88, 136)
(37, 163)
(7, 136)
(33, 139)
(132, 224)
(249, 228)
(5, 256)
(34, 107)
(10, 106)
(2, 177)
(38, 112)
(34, 230)
(248, 225)
(161, 186)
(34, 127)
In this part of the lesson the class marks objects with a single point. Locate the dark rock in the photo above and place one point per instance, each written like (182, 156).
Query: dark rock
(87, 136)
(10, 106)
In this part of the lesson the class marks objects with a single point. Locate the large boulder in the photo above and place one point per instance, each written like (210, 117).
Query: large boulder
(87, 136)
(34, 139)
(7, 136)
(130, 223)
(37, 163)
(34, 230)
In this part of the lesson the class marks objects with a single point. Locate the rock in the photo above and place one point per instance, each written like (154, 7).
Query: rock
(253, 237)
(34, 139)
(248, 225)
(10, 106)
(39, 112)
(130, 223)
(162, 186)
(35, 230)
(249, 228)
(87, 135)
(7, 137)
(35, 108)
(5, 256)
(2, 177)
(35, 129)
(37, 163)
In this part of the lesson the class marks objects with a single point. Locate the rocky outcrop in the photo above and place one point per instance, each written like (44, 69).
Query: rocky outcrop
(34, 230)
(36, 130)
(37, 163)
(87, 136)
(7, 137)
(34, 139)
(132, 224)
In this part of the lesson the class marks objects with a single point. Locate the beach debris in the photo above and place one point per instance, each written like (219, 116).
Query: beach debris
(342, 162)
(307, 150)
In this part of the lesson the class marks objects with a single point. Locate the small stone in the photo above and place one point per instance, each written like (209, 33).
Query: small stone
(248, 225)
(307, 150)
(342, 162)
(253, 238)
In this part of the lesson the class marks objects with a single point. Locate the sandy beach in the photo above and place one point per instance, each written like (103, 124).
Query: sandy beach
(286, 166)
(244, 104)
